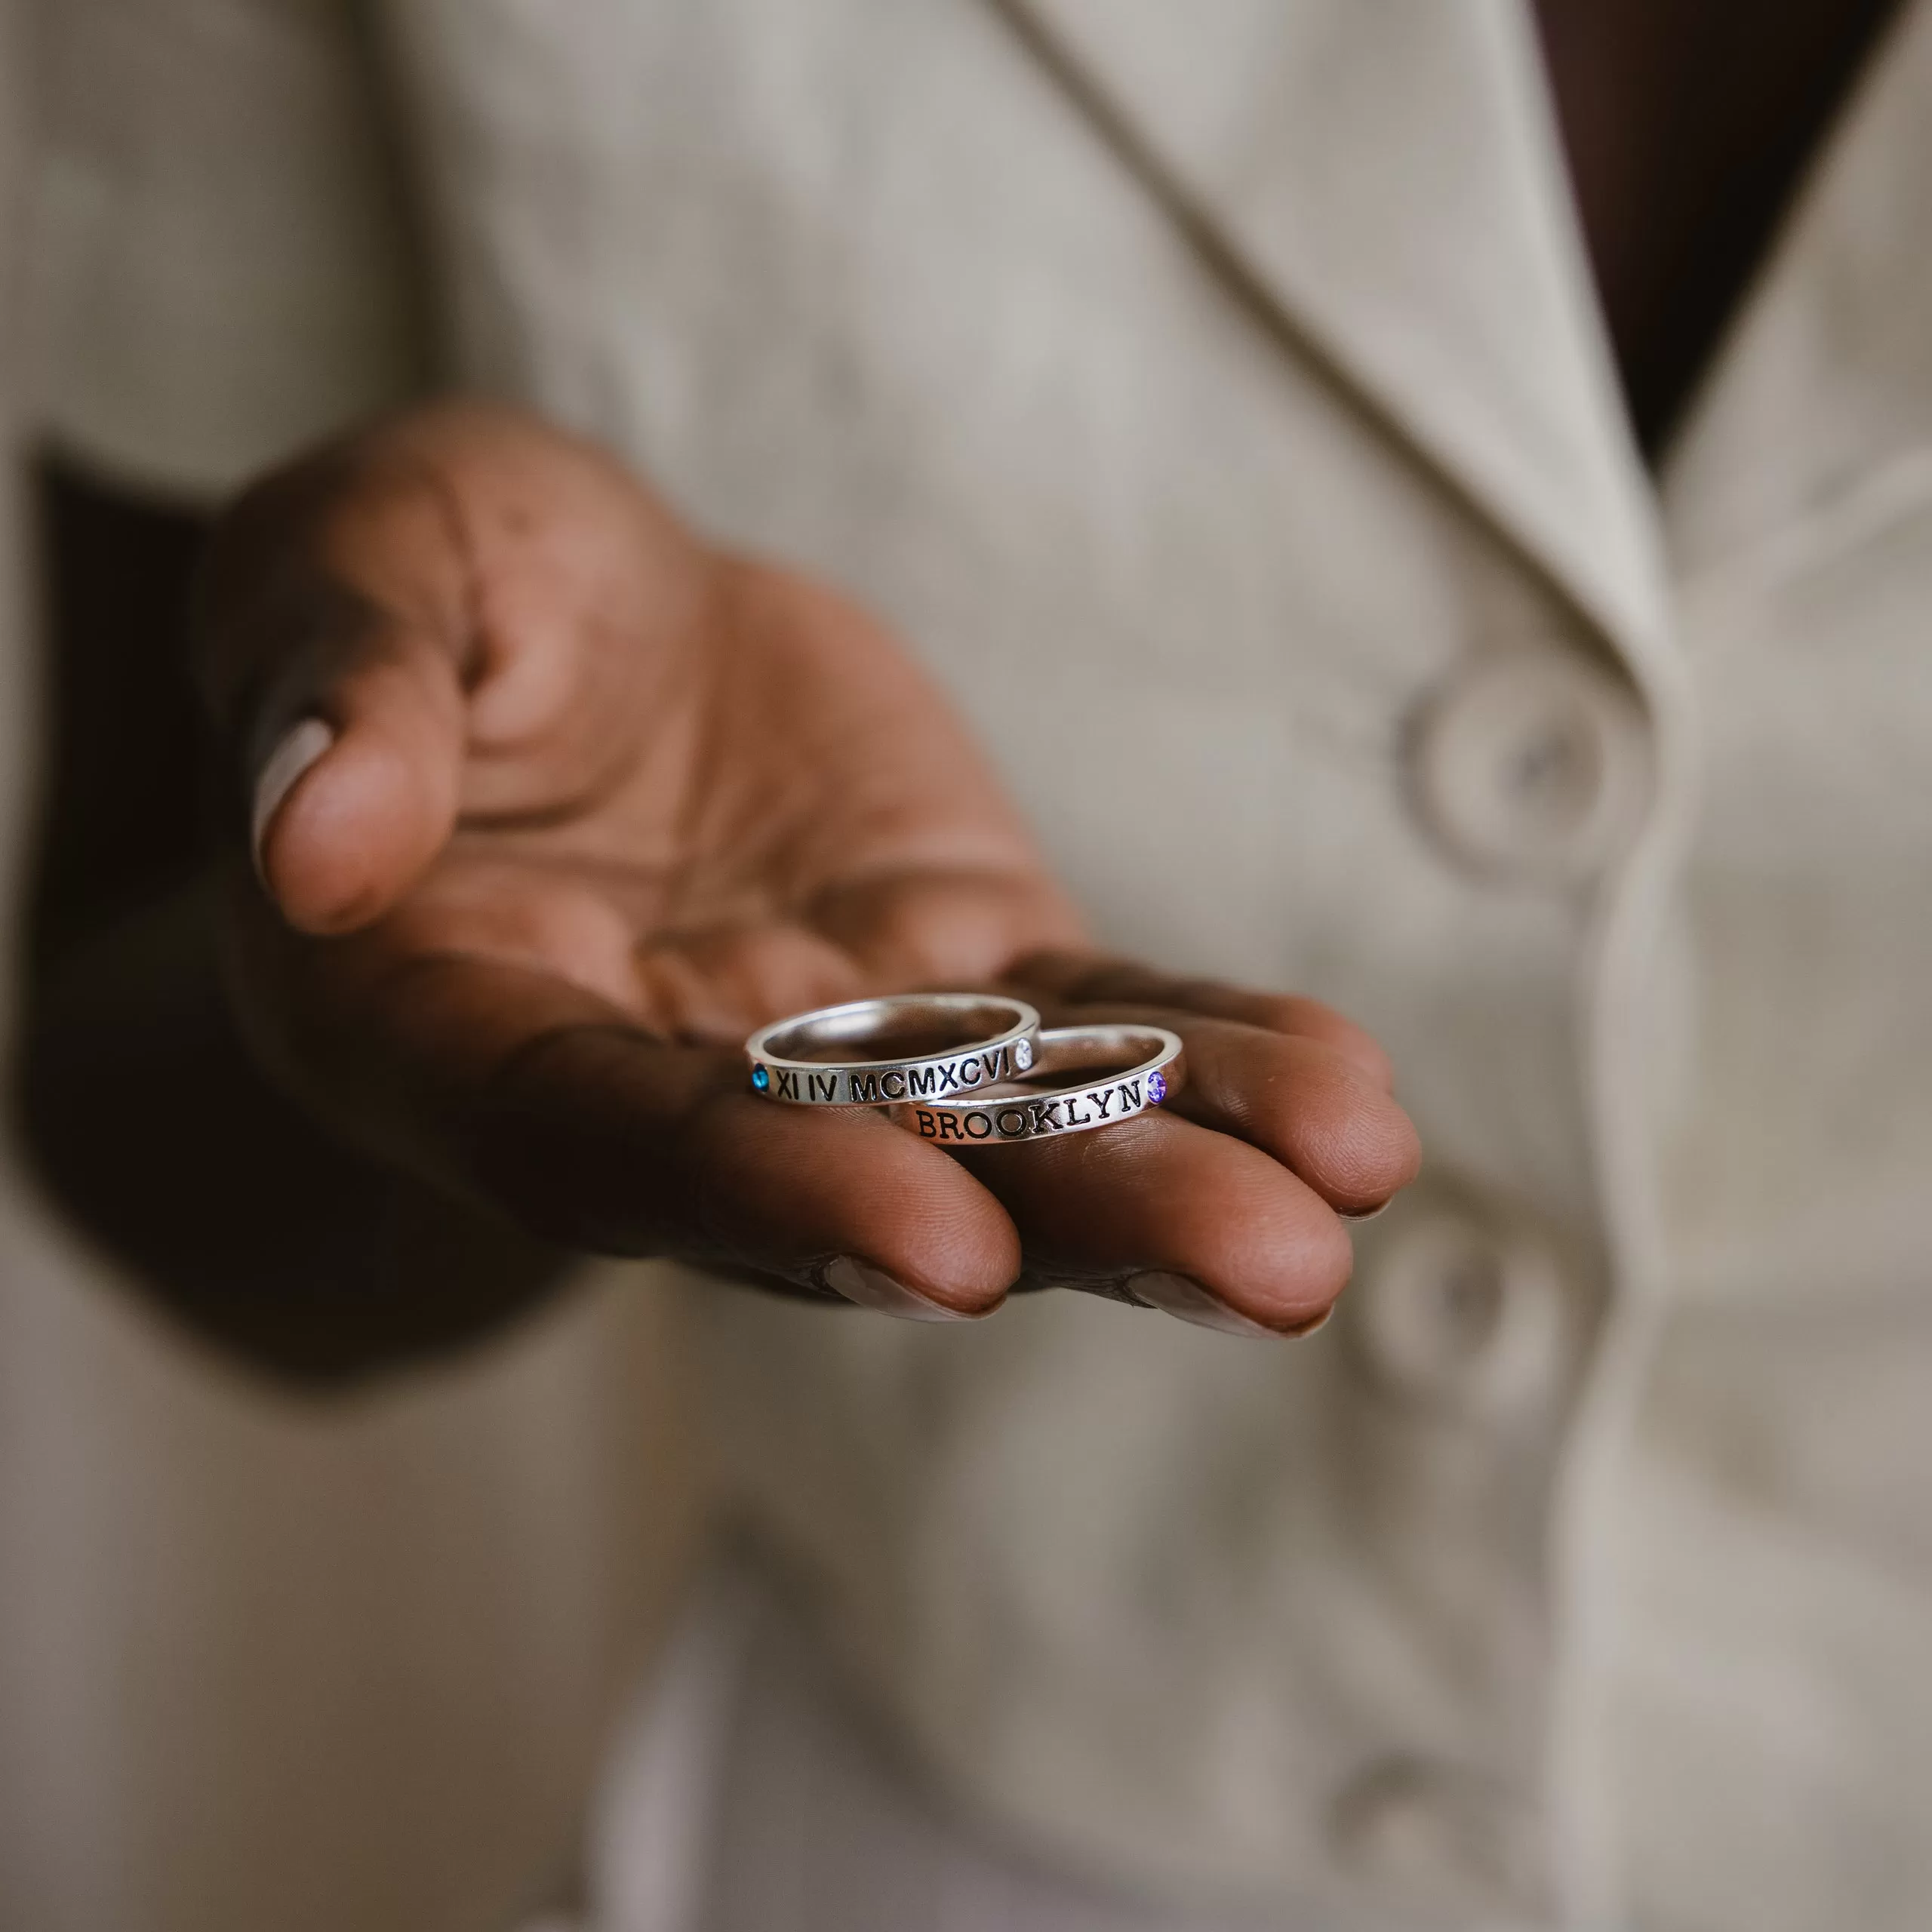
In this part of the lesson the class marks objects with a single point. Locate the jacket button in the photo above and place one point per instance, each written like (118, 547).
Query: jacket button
(1462, 1312)
(1431, 1832)
(1532, 765)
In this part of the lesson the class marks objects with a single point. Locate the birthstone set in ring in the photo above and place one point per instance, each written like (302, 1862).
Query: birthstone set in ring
(965, 1068)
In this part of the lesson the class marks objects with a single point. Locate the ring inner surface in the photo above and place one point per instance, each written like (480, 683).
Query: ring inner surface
(893, 1037)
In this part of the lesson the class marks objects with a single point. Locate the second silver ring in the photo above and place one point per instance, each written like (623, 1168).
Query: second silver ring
(1100, 1075)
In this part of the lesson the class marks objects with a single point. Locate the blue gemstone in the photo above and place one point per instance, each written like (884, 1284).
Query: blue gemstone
(761, 1078)
(1157, 1090)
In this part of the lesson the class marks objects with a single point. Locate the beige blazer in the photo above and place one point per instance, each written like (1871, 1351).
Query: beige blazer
(1215, 397)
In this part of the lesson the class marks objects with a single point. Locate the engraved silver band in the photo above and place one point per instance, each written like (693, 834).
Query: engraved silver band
(1127, 1069)
(949, 1044)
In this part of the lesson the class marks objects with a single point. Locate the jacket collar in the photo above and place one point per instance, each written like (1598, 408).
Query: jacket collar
(1386, 180)
(1817, 420)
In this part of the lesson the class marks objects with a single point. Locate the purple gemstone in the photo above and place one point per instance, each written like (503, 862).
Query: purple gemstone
(1157, 1090)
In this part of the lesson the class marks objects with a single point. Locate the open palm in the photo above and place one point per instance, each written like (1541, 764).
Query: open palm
(553, 804)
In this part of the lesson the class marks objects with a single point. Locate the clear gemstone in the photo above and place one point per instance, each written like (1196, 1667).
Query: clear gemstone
(1022, 1054)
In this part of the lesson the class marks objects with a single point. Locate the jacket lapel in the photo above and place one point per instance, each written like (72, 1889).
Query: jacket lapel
(1818, 418)
(1385, 179)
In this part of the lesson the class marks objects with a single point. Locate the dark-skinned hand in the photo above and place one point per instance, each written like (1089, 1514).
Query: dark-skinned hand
(553, 803)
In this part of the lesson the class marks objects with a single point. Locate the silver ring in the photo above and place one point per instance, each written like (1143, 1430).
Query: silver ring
(1140, 1067)
(961, 1042)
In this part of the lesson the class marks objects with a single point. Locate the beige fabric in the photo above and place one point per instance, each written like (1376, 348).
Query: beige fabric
(795, 1814)
(1772, 1553)
(222, 249)
(1214, 397)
